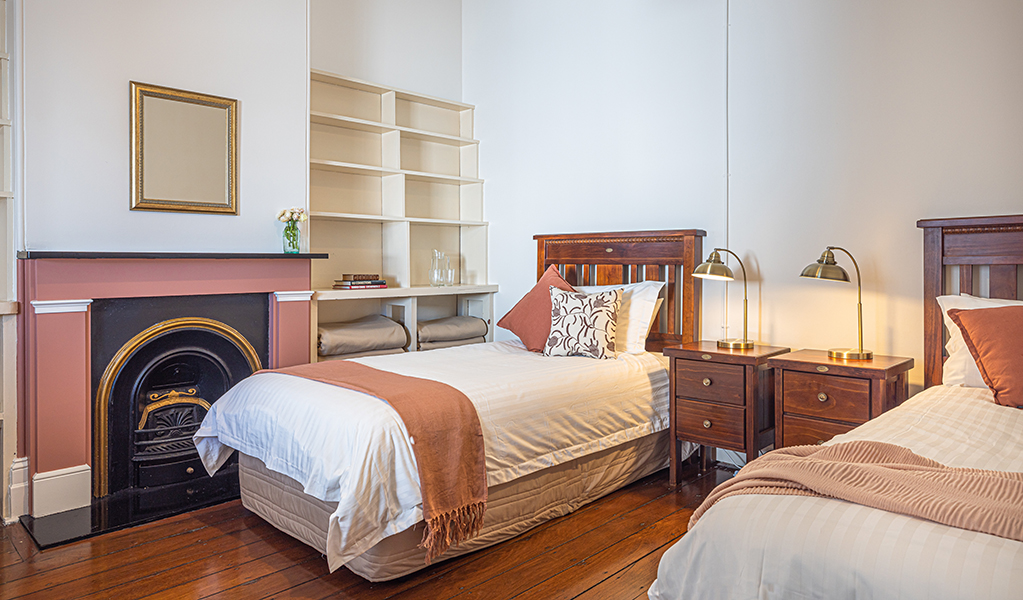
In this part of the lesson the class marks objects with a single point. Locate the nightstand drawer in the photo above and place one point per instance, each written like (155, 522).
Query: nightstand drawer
(710, 424)
(800, 431)
(710, 381)
(826, 396)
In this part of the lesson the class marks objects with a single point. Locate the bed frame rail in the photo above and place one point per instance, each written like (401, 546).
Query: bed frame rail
(957, 252)
(630, 257)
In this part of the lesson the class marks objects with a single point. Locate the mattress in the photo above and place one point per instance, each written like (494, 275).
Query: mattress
(351, 449)
(768, 547)
(512, 508)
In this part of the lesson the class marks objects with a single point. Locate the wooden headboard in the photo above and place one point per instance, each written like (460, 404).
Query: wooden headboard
(969, 246)
(632, 256)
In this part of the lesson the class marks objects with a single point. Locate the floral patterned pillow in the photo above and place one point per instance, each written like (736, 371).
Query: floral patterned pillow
(583, 324)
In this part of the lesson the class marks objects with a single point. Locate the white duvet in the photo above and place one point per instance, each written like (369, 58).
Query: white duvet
(794, 547)
(347, 447)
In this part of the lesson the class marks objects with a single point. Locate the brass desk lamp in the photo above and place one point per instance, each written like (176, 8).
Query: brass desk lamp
(713, 268)
(827, 268)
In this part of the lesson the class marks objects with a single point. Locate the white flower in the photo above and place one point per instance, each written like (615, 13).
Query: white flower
(292, 214)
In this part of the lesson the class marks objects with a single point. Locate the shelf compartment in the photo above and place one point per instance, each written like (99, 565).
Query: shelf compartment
(404, 292)
(359, 244)
(353, 146)
(330, 95)
(337, 192)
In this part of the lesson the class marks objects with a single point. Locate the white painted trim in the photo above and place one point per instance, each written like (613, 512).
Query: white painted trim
(305, 296)
(18, 491)
(61, 490)
(43, 307)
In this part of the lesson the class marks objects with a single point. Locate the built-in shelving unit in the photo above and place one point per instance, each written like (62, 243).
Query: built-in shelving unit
(394, 175)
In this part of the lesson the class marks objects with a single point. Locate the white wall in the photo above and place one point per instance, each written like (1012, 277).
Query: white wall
(414, 45)
(595, 116)
(79, 58)
(849, 120)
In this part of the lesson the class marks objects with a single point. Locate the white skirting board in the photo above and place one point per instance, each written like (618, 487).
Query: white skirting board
(60, 490)
(17, 498)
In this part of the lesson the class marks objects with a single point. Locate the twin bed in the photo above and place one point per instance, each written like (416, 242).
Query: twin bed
(793, 547)
(334, 468)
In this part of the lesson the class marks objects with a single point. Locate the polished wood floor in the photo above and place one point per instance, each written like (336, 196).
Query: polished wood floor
(608, 549)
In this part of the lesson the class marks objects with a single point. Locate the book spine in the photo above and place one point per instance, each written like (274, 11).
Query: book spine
(359, 277)
(359, 287)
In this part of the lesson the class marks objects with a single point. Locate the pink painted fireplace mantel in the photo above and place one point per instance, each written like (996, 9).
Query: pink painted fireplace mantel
(56, 290)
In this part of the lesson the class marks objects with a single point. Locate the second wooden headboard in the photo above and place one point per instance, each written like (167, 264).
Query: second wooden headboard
(629, 257)
(967, 245)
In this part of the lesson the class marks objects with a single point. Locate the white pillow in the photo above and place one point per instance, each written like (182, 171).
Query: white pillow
(639, 303)
(960, 369)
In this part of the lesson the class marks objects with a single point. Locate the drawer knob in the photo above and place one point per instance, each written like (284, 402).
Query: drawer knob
(706, 357)
(609, 249)
(706, 423)
(822, 397)
(190, 470)
(707, 381)
(822, 369)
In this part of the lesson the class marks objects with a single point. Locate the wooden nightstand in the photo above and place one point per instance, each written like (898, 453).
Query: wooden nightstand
(720, 398)
(817, 397)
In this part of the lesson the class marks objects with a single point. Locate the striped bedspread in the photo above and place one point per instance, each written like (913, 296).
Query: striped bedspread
(795, 547)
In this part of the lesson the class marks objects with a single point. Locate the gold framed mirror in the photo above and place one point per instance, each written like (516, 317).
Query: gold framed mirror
(184, 151)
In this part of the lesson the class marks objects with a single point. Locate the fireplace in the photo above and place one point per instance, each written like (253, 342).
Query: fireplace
(157, 366)
(121, 356)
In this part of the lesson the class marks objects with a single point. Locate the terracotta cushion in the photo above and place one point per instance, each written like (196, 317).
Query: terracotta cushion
(530, 318)
(995, 339)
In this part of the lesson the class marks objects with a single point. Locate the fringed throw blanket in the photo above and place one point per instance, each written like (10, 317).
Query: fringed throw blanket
(447, 441)
(887, 477)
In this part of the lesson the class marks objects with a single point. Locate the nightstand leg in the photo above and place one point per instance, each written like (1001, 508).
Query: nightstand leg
(708, 456)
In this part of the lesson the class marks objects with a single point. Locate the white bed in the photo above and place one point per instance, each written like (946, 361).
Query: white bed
(795, 547)
(559, 432)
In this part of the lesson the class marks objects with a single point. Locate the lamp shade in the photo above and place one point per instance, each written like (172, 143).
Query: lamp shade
(714, 268)
(825, 268)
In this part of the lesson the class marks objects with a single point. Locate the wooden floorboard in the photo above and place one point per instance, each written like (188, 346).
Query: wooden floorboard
(607, 549)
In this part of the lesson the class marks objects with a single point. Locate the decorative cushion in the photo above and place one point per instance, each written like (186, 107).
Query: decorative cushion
(639, 305)
(583, 324)
(530, 318)
(960, 368)
(994, 336)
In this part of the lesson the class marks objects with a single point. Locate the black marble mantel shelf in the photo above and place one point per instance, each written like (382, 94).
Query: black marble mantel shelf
(34, 254)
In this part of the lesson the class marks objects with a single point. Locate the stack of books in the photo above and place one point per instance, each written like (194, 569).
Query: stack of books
(359, 281)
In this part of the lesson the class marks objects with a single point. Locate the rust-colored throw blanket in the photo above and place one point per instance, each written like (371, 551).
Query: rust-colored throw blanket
(887, 477)
(447, 441)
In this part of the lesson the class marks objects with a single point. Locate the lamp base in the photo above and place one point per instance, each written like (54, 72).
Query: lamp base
(735, 344)
(851, 353)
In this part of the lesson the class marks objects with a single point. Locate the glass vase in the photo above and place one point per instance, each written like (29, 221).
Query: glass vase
(292, 238)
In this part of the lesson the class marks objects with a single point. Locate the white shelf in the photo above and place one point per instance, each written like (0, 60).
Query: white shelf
(355, 217)
(322, 118)
(332, 120)
(352, 168)
(425, 221)
(408, 292)
(6, 194)
(437, 178)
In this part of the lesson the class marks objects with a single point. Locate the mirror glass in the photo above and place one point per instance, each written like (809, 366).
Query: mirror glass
(183, 151)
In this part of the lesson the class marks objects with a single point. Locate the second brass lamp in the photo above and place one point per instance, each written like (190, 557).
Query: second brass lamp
(827, 268)
(713, 268)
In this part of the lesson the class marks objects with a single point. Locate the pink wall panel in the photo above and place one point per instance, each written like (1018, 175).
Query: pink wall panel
(289, 350)
(62, 422)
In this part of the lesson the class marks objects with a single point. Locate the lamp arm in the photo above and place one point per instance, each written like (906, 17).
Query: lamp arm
(859, 293)
(745, 301)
